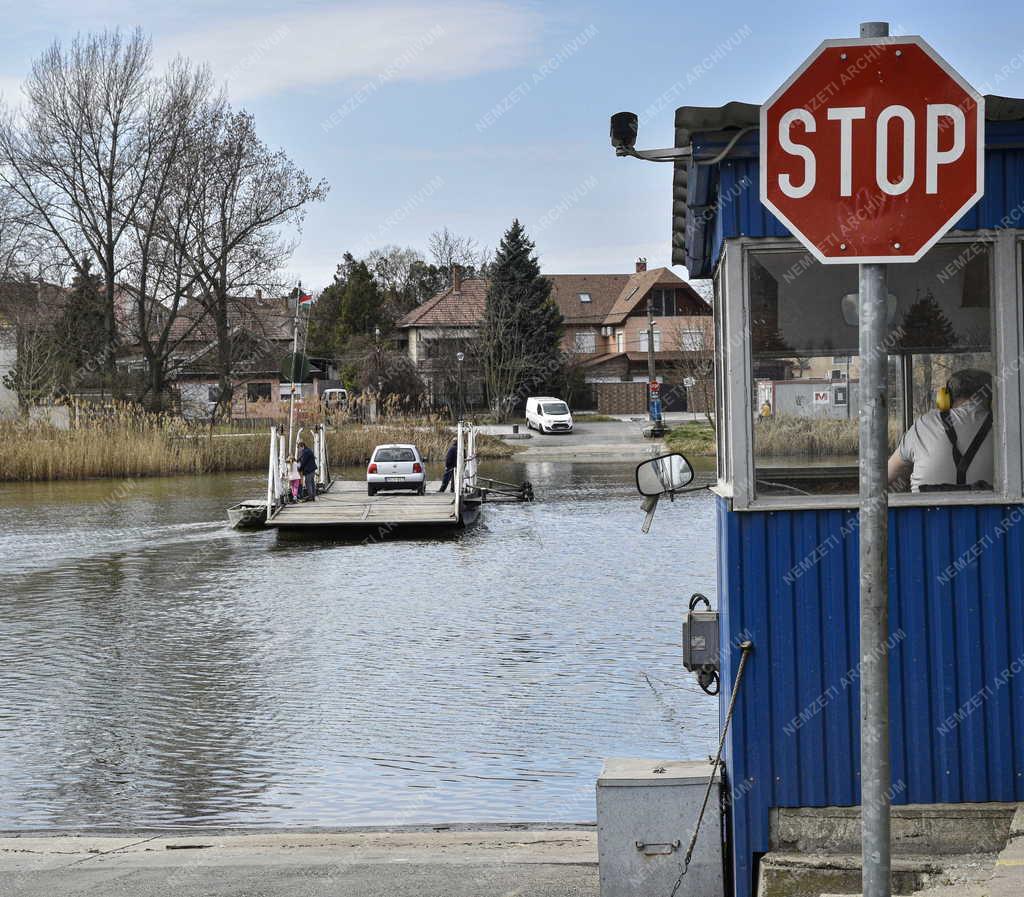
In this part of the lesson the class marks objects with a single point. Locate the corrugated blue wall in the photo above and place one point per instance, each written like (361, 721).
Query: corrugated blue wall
(740, 212)
(788, 580)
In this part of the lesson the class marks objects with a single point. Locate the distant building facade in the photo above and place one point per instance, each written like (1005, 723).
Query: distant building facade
(605, 340)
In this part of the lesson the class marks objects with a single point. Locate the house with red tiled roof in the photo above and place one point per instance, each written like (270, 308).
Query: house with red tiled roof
(606, 330)
(261, 337)
(444, 327)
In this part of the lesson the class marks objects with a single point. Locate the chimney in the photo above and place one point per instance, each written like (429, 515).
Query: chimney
(641, 265)
(259, 294)
(456, 278)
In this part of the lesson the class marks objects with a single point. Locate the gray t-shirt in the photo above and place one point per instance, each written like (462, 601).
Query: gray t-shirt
(927, 447)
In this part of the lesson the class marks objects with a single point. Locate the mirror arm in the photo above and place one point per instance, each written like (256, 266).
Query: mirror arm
(650, 505)
(690, 489)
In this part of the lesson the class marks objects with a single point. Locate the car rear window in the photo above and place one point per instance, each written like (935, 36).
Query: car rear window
(395, 454)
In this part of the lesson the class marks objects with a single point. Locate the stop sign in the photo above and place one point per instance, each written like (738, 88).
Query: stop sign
(872, 150)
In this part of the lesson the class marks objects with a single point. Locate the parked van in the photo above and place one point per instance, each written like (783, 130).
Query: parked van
(334, 399)
(548, 415)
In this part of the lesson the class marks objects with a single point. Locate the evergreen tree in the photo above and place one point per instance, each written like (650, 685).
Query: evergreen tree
(926, 327)
(522, 327)
(83, 327)
(360, 309)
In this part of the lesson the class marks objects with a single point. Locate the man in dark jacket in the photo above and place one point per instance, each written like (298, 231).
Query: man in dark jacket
(450, 460)
(307, 467)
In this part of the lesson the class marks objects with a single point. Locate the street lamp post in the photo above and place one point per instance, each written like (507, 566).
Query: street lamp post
(460, 357)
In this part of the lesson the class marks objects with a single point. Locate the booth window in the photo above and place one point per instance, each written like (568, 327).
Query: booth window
(806, 367)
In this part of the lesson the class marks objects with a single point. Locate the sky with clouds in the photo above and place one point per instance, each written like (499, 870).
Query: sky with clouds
(466, 114)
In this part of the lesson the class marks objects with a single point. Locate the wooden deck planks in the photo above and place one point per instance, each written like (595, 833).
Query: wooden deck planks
(348, 507)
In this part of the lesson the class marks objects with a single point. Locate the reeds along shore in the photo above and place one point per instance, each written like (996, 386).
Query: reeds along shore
(130, 443)
(812, 437)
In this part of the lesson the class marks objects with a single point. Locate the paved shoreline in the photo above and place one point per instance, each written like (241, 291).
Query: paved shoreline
(453, 861)
(620, 440)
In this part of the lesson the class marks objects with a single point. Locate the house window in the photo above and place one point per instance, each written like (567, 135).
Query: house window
(586, 341)
(258, 392)
(645, 342)
(213, 394)
(691, 340)
(663, 303)
(584, 297)
(620, 341)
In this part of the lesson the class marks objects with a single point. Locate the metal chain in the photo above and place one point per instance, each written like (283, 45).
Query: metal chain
(746, 648)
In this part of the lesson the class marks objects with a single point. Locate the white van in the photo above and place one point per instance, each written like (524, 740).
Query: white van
(548, 415)
(334, 399)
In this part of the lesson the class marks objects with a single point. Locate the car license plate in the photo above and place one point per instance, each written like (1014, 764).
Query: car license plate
(394, 479)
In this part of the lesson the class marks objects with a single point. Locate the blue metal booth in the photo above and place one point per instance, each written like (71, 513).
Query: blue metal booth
(787, 377)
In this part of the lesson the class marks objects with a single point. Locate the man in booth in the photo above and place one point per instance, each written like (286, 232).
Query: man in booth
(950, 448)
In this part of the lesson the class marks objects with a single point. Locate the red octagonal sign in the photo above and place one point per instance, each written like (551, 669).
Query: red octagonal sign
(872, 150)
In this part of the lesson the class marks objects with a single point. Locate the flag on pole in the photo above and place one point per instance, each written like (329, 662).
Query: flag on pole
(305, 298)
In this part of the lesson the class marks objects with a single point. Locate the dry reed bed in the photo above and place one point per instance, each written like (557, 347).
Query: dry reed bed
(815, 437)
(138, 446)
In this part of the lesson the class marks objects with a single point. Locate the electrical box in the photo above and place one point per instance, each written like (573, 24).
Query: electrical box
(700, 641)
(646, 814)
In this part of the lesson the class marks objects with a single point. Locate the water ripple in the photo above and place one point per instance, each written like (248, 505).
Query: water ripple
(159, 669)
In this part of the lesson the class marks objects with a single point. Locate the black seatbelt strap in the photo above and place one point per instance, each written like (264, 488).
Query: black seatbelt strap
(963, 460)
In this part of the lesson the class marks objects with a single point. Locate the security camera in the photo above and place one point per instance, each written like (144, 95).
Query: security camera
(623, 130)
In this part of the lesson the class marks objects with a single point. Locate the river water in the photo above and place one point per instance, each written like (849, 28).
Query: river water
(158, 669)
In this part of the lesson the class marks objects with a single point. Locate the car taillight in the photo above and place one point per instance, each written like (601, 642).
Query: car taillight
(417, 467)
(372, 468)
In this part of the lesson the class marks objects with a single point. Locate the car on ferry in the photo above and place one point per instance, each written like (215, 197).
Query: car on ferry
(546, 414)
(396, 467)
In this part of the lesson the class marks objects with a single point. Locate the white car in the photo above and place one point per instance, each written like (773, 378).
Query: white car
(395, 467)
(548, 415)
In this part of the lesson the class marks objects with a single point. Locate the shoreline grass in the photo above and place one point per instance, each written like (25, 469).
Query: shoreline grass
(693, 438)
(130, 444)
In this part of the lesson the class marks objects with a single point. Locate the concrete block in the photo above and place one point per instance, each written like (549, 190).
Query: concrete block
(811, 875)
(923, 829)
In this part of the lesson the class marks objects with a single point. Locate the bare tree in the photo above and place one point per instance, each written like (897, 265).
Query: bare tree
(449, 249)
(166, 224)
(249, 198)
(79, 156)
(693, 340)
(393, 268)
(33, 376)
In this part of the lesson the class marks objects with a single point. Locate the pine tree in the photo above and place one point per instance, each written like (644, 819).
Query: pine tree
(360, 310)
(522, 326)
(83, 327)
(926, 327)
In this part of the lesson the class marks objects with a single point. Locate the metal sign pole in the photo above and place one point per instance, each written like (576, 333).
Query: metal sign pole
(874, 587)
(875, 772)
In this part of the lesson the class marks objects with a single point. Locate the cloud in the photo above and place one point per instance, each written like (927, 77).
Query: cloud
(343, 43)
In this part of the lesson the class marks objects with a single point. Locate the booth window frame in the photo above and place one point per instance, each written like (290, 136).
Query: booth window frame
(734, 378)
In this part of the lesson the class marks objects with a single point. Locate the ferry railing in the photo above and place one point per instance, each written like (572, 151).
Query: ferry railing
(275, 469)
(322, 462)
(459, 468)
(469, 483)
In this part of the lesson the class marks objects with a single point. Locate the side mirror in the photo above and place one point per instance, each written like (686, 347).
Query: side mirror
(663, 475)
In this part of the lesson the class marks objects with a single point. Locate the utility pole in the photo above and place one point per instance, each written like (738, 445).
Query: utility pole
(295, 364)
(653, 401)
